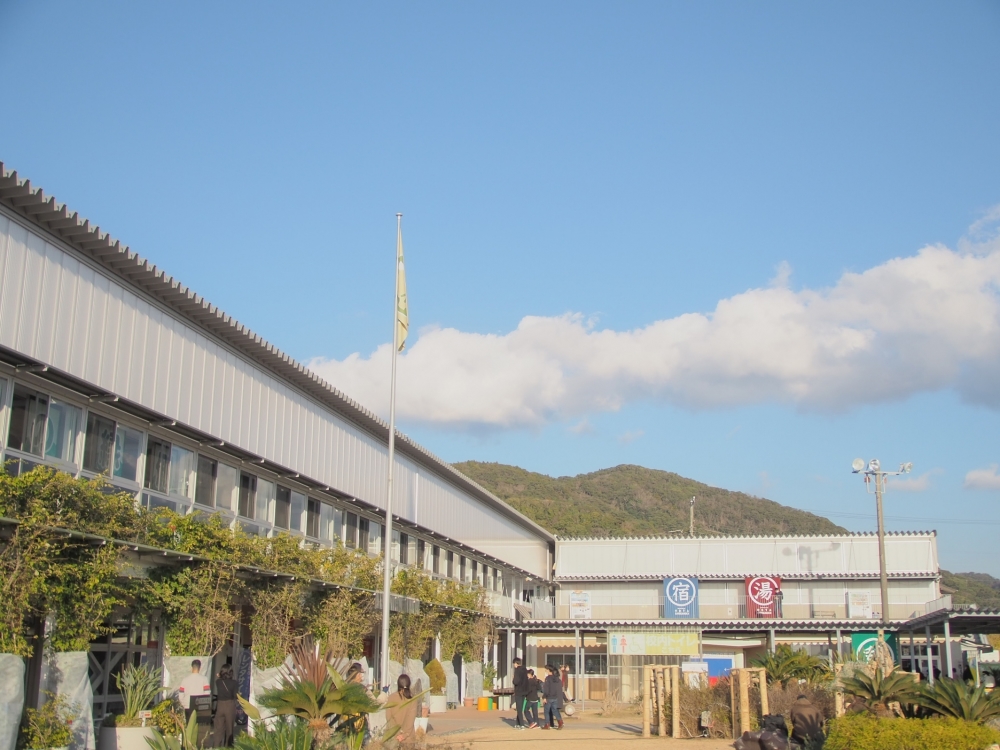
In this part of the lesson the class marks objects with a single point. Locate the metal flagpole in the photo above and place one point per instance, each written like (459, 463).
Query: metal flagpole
(387, 546)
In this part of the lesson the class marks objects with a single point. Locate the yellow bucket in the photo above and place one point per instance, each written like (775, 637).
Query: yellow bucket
(483, 704)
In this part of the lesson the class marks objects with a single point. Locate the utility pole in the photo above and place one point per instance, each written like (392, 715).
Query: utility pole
(874, 471)
(692, 516)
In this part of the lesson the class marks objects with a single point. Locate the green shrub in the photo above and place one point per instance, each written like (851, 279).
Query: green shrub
(48, 726)
(437, 677)
(866, 732)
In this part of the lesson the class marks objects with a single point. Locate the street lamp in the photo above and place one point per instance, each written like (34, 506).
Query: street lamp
(873, 472)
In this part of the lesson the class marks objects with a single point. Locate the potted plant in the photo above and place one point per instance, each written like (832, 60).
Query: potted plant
(489, 675)
(139, 687)
(48, 727)
(439, 682)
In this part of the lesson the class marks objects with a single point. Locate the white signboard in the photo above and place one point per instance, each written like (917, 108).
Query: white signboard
(859, 605)
(579, 605)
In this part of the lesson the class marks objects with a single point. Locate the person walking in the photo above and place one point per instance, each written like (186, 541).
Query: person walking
(520, 681)
(192, 685)
(552, 691)
(226, 689)
(534, 687)
(397, 714)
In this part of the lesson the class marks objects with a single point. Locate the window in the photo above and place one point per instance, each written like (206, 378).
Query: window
(296, 512)
(265, 500)
(27, 420)
(595, 664)
(128, 444)
(436, 560)
(61, 429)
(312, 519)
(376, 540)
(404, 549)
(282, 507)
(208, 473)
(363, 531)
(227, 482)
(329, 522)
(421, 560)
(248, 495)
(475, 571)
(351, 540)
(99, 444)
(183, 471)
(157, 464)
(450, 572)
(461, 568)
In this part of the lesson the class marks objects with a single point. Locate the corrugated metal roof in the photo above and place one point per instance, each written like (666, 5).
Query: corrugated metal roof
(745, 626)
(723, 537)
(740, 576)
(56, 219)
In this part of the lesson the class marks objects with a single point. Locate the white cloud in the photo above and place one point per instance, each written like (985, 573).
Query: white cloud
(983, 479)
(583, 427)
(630, 437)
(912, 484)
(921, 323)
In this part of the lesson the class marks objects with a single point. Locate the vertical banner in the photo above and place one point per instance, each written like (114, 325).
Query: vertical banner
(680, 598)
(579, 605)
(762, 596)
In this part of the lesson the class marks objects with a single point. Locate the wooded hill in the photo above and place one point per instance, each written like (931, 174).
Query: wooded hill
(635, 501)
(980, 589)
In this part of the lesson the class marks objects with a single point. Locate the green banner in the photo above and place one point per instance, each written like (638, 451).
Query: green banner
(863, 646)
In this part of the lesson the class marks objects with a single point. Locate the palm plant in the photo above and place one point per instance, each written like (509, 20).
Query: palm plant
(785, 665)
(314, 691)
(283, 735)
(882, 688)
(958, 699)
(139, 687)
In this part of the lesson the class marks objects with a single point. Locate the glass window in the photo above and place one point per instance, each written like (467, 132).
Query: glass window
(298, 509)
(282, 507)
(376, 538)
(450, 571)
(157, 464)
(436, 560)
(329, 522)
(404, 549)
(595, 664)
(248, 495)
(475, 571)
(128, 443)
(265, 500)
(27, 420)
(462, 567)
(363, 534)
(204, 490)
(312, 518)
(227, 482)
(62, 427)
(183, 470)
(98, 444)
(421, 560)
(352, 531)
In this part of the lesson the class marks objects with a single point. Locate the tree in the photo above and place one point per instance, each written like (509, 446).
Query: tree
(960, 700)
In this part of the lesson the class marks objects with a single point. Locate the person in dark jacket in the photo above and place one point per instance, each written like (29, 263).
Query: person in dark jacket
(226, 689)
(520, 681)
(552, 691)
(807, 722)
(534, 688)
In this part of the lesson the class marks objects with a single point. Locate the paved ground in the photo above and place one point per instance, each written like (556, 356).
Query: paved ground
(467, 728)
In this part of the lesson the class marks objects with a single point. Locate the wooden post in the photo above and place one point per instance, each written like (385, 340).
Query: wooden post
(647, 698)
(762, 679)
(661, 706)
(733, 677)
(744, 700)
(838, 696)
(675, 701)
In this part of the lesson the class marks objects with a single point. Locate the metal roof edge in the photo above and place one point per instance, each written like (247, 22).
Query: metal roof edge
(56, 220)
(725, 537)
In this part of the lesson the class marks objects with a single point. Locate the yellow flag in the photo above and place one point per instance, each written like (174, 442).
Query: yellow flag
(402, 307)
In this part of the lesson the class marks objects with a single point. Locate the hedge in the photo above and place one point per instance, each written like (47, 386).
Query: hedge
(866, 732)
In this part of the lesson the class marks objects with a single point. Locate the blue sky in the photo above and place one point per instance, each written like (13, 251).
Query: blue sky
(687, 236)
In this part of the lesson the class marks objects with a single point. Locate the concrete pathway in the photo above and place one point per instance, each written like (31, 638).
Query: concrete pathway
(469, 729)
